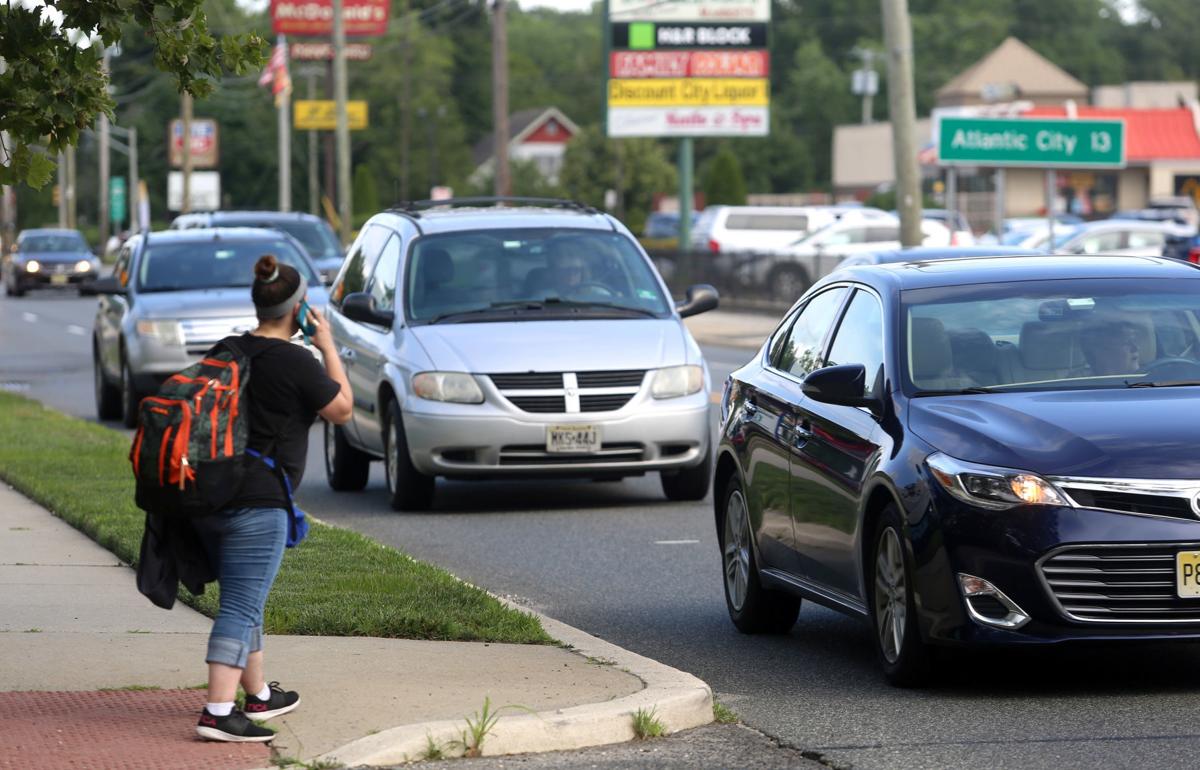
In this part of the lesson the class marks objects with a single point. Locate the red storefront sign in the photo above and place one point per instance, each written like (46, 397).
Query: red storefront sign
(363, 18)
(299, 51)
(696, 64)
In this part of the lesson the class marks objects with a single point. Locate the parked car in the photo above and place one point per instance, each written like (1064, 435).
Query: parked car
(924, 253)
(48, 258)
(508, 342)
(1183, 246)
(1118, 236)
(1027, 223)
(734, 229)
(1181, 208)
(970, 452)
(172, 295)
(790, 271)
(313, 232)
(662, 225)
(956, 222)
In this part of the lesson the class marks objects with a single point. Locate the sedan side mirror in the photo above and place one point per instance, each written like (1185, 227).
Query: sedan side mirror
(845, 385)
(700, 299)
(360, 306)
(109, 285)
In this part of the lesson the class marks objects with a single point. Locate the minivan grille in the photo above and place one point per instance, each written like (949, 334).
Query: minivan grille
(527, 381)
(630, 378)
(569, 393)
(603, 403)
(544, 404)
(536, 454)
(1119, 584)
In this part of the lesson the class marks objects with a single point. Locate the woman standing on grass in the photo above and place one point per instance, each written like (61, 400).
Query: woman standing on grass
(287, 390)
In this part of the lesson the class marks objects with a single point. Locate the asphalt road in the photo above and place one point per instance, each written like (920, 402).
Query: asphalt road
(619, 561)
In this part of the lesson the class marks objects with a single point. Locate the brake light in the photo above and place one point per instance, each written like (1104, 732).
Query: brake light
(713, 246)
(1194, 255)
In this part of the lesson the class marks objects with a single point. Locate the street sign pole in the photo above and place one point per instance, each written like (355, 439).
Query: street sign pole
(285, 143)
(342, 131)
(685, 193)
(1050, 209)
(998, 205)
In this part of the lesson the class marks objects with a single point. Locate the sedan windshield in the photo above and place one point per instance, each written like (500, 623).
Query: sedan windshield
(526, 274)
(213, 264)
(1053, 335)
(46, 244)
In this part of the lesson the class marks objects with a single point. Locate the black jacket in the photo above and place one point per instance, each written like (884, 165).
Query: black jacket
(171, 553)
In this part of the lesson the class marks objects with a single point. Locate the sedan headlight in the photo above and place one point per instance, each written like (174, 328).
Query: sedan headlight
(82, 266)
(455, 387)
(163, 332)
(988, 487)
(676, 381)
(32, 266)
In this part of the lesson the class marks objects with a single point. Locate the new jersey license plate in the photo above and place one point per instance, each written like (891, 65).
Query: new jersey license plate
(572, 438)
(59, 280)
(1187, 574)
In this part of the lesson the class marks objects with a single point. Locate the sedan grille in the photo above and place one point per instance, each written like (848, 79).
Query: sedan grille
(1119, 584)
(1127, 502)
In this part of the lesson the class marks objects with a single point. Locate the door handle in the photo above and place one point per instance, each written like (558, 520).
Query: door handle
(801, 433)
(347, 354)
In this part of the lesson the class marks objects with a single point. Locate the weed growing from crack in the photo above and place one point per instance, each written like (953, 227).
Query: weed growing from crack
(646, 724)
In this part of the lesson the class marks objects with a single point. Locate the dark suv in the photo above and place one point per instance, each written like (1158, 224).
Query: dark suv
(314, 233)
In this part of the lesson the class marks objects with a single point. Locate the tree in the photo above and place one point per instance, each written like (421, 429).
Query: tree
(723, 182)
(366, 196)
(53, 85)
(636, 169)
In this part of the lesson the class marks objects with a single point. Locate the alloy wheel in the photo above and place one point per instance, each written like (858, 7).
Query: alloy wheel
(891, 595)
(737, 549)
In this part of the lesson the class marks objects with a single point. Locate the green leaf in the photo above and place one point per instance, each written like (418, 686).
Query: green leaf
(40, 170)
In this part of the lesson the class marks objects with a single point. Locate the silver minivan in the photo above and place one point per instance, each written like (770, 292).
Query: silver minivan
(487, 341)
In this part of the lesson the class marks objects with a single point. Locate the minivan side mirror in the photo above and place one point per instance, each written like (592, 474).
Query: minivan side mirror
(845, 385)
(109, 285)
(360, 306)
(700, 299)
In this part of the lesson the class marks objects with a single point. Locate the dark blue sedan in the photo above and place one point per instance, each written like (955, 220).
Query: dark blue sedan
(977, 451)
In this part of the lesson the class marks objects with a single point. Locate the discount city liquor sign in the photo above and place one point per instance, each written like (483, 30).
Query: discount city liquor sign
(688, 68)
(1031, 142)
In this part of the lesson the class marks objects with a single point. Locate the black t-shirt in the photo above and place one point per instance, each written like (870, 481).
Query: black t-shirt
(287, 388)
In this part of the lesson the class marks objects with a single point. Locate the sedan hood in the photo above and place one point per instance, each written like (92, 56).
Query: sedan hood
(1141, 433)
(554, 346)
(208, 303)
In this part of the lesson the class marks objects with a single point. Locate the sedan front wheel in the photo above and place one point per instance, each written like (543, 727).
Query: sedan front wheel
(903, 654)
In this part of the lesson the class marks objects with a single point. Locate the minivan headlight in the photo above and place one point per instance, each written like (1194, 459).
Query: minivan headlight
(676, 381)
(989, 487)
(164, 332)
(455, 387)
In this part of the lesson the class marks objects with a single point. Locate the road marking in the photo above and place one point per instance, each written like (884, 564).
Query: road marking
(78, 331)
(676, 542)
(29, 317)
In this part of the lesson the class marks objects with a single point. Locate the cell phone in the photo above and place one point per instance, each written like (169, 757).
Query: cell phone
(307, 320)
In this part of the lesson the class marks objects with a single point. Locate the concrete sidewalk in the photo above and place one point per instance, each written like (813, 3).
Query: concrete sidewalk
(732, 329)
(77, 641)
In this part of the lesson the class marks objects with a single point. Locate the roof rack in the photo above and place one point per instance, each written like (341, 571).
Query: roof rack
(414, 208)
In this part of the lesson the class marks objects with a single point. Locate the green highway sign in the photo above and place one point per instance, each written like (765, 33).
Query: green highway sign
(1060, 143)
(117, 200)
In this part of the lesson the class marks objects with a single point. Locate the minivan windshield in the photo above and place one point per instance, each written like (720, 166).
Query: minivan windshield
(213, 264)
(316, 237)
(529, 274)
(1052, 335)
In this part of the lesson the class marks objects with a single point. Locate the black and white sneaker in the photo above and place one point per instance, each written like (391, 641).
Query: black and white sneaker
(234, 728)
(281, 702)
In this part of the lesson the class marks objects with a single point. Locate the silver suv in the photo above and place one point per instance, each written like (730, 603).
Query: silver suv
(171, 296)
(533, 339)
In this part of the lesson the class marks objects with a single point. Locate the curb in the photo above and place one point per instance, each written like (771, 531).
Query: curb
(681, 701)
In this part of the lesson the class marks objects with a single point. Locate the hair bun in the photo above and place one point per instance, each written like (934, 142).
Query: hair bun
(267, 268)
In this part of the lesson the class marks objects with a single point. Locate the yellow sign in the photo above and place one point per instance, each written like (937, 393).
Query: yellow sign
(689, 92)
(318, 114)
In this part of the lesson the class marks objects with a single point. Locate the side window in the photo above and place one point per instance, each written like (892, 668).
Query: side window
(801, 352)
(383, 281)
(859, 338)
(883, 233)
(1141, 239)
(1100, 243)
(358, 266)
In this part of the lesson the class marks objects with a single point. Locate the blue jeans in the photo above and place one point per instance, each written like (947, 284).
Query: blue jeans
(246, 546)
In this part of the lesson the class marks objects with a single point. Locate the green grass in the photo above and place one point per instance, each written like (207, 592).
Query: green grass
(646, 724)
(723, 715)
(336, 583)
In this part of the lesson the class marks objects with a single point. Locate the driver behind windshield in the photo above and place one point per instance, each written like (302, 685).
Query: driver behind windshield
(1111, 348)
(568, 270)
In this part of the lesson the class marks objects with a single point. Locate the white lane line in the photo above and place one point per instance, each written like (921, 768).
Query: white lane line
(676, 542)
(29, 317)
(78, 331)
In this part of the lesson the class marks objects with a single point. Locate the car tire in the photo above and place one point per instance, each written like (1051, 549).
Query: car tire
(108, 396)
(752, 608)
(346, 467)
(130, 398)
(905, 657)
(15, 290)
(688, 483)
(788, 282)
(408, 488)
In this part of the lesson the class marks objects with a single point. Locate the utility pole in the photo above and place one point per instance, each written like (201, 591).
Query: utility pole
(327, 139)
(8, 198)
(406, 106)
(503, 182)
(68, 192)
(103, 135)
(186, 204)
(345, 204)
(133, 195)
(62, 189)
(313, 186)
(686, 163)
(897, 36)
(285, 141)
